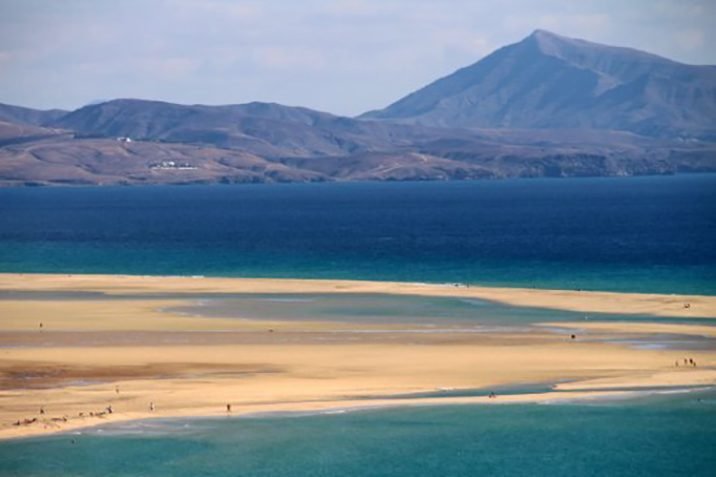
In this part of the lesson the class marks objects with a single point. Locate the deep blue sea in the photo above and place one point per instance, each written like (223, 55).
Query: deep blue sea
(626, 234)
(659, 436)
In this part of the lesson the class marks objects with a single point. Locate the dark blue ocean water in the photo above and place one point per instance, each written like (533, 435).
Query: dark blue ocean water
(666, 436)
(629, 234)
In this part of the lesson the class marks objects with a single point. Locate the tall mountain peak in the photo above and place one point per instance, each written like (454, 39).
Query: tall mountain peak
(551, 43)
(546, 35)
(552, 81)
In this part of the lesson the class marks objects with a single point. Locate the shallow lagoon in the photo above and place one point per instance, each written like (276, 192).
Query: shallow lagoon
(406, 313)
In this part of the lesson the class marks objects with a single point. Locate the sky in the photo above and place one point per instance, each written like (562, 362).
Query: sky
(340, 56)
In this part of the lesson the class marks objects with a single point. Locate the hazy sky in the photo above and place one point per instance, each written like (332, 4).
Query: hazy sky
(341, 56)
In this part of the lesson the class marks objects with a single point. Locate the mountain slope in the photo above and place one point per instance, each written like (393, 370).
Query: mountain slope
(267, 129)
(549, 81)
(69, 161)
(36, 117)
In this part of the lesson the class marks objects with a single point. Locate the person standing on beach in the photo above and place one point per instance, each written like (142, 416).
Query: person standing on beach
(228, 408)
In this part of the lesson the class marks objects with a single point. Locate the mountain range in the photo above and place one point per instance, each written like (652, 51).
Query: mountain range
(546, 106)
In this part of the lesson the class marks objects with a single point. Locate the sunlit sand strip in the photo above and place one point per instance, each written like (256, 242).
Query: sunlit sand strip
(636, 328)
(48, 426)
(648, 380)
(193, 380)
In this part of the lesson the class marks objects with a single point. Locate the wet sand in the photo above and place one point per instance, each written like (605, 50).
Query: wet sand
(91, 354)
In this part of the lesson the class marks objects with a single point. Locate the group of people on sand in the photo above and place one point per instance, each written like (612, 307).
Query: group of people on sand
(687, 362)
(27, 421)
(107, 410)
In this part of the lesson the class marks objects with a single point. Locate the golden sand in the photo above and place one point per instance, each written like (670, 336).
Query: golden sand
(91, 354)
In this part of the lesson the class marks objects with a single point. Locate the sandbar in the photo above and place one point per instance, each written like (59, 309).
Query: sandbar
(134, 353)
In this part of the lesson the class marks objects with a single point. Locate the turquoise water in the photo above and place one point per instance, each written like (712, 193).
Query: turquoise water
(625, 234)
(664, 436)
(385, 308)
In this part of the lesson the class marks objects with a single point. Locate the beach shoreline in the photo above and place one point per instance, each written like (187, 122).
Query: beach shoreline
(67, 357)
(343, 406)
